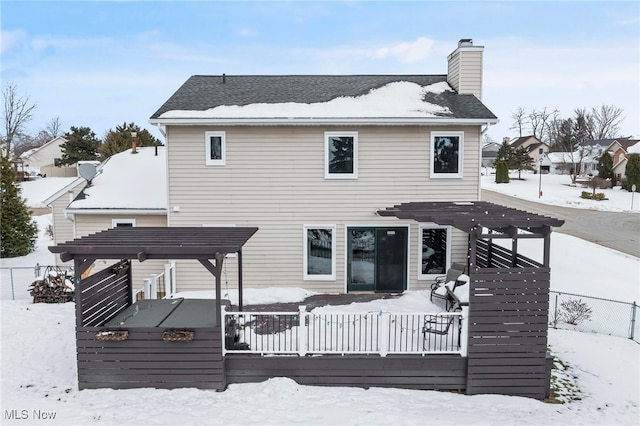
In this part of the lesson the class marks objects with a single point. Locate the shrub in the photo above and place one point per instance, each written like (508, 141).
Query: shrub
(586, 195)
(502, 172)
(605, 166)
(574, 311)
(632, 171)
(599, 196)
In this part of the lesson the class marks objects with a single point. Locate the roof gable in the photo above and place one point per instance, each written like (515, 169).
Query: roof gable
(321, 96)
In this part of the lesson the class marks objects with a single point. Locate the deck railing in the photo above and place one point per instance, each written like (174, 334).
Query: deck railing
(379, 333)
(157, 286)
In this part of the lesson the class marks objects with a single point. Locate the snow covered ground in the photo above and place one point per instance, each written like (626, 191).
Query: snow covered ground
(558, 190)
(38, 371)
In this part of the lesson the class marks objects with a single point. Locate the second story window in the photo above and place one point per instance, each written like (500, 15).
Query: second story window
(341, 155)
(446, 154)
(215, 148)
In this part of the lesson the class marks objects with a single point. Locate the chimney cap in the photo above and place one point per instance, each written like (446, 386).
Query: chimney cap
(465, 42)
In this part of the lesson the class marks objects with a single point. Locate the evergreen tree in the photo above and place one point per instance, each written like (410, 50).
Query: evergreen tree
(632, 171)
(521, 160)
(17, 231)
(119, 140)
(504, 154)
(605, 166)
(502, 172)
(81, 145)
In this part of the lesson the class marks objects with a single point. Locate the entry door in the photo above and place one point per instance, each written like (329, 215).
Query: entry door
(377, 259)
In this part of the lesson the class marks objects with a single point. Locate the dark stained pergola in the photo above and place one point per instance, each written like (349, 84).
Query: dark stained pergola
(508, 306)
(142, 243)
(473, 217)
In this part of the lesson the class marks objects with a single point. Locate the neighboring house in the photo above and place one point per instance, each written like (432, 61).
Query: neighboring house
(42, 160)
(310, 159)
(564, 163)
(620, 150)
(489, 153)
(127, 190)
(534, 146)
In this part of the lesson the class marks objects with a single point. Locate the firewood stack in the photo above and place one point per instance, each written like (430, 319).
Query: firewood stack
(52, 287)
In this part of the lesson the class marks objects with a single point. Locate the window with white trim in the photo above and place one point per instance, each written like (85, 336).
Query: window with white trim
(215, 148)
(341, 155)
(435, 255)
(319, 252)
(446, 154)
(121, 223)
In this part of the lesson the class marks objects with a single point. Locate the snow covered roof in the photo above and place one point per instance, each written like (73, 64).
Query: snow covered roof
(127, 181)
(320, 97)
(41, 192)
(569, 158)
(634, 149)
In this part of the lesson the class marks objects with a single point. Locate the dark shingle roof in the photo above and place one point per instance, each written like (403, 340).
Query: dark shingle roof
(201, 92)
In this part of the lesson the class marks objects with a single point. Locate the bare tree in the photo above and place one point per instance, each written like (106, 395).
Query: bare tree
(519, 120)
(582, 132)
(539, 120)
(606, 121)
(53, 127)
(18, 110)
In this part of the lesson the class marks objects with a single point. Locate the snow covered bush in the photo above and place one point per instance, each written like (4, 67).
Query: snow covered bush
(574, 311)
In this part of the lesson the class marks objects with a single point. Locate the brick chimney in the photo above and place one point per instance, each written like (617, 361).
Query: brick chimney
(464, 72)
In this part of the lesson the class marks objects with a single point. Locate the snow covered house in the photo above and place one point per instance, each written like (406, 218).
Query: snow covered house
(310, 159)
(335, 184)
(562, 163)
(127, 190)
(534, 146)
(620, 150)
(43, 159)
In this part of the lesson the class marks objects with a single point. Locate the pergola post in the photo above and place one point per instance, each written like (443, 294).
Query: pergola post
(240, 295)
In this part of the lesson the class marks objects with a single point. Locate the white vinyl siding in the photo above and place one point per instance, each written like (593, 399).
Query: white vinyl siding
(277, 183)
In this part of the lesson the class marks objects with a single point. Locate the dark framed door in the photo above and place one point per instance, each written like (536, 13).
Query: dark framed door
(376, 259)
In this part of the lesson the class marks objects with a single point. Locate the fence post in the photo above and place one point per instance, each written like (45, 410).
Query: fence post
(223, 315)
(555, 313)
(36, 270)
(633, 320)
(13, 292)
(154, 286)
(169, 286)
(384, 333)
(302, 330)
(464, 331)
(147, 288)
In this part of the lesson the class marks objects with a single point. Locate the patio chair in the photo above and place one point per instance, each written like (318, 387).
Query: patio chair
(437, 324)
(438, 289)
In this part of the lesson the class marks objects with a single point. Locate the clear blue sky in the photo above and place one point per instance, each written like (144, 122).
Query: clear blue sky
(99, 64)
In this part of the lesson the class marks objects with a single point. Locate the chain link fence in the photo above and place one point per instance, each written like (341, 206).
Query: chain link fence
(594, 314)
(17, 280)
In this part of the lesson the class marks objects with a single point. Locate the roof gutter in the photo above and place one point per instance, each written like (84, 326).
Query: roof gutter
(156, 212)
(303, 121)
